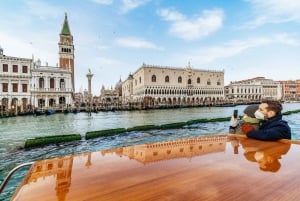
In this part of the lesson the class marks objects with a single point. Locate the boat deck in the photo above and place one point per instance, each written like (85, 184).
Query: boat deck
(218, 167)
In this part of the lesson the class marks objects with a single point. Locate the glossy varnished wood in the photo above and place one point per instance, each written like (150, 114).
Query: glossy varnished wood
(206, 168)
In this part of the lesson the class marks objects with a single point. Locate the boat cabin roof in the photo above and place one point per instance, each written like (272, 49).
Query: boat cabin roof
(214, 167)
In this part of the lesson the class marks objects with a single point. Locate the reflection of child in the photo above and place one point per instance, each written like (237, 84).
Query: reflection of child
(247, 123)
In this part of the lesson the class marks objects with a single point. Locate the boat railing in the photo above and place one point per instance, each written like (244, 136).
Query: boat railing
(10, 174)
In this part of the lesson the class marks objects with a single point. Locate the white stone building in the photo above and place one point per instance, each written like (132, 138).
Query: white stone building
(152, 86)
(51, 87)
(15, 81)
(110, 98)
(253, 90)
(25, 84)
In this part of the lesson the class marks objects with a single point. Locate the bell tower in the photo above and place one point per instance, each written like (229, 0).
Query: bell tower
(66, 49)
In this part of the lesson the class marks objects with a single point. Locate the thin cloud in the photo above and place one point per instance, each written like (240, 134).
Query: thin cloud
(135, 43)
(171, 15)
(287, 39)
(196, 28)
(128, 5)
(104, 2)
(236, 47)
(274, 11)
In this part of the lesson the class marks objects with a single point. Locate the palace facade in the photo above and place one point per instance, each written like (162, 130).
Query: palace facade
(15, 82)
(154, 86)
(253, 90)
(291, 90)
(51, 86)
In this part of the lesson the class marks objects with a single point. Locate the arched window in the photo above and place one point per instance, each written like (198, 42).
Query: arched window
(153, 78)
(198, 80)
(62, 83)
(52, 83)
(167, 79)
(179, 79)
(208, 82)
(62, 100)
(41, 102)
(140, 79)
(41, 83)
(51, 102)
(219, 82)
(189, 81)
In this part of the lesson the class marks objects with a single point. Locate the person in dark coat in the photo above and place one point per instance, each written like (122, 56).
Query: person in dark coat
(272, 126)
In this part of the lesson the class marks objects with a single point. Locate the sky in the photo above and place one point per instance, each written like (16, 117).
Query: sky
(113, 38)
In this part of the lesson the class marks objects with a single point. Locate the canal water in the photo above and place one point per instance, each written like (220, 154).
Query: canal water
(14, 132)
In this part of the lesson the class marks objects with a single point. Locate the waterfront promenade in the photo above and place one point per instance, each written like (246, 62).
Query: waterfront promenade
(14, 131)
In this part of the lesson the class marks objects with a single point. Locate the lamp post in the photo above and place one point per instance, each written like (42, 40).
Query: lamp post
(89, 77)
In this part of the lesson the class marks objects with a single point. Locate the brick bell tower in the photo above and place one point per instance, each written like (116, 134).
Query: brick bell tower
(66, 49)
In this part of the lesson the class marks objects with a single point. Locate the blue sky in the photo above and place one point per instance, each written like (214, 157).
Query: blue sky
(245, 38)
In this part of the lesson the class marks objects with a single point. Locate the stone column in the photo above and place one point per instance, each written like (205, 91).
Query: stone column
(89, 77)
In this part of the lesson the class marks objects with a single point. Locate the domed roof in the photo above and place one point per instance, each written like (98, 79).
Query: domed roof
(119, 84)
(130, 77)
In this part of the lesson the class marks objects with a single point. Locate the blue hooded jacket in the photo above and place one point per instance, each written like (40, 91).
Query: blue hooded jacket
(271, 130)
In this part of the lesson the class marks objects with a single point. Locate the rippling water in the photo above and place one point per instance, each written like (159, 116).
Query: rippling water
(14, 132)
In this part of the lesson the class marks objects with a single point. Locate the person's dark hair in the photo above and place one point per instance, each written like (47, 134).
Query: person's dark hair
(273, 105)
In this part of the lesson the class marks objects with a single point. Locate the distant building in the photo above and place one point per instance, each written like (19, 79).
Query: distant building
(51, 86)
(127, 90)
(25, 84)
(54, 86)
(253, 90)
(85, 96)
(15, 82)
(66, 50)
(154, 86)
(110, 98)
(290, 90)
(78, 99)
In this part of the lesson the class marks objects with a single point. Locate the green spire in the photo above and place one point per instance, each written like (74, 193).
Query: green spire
(65, 29)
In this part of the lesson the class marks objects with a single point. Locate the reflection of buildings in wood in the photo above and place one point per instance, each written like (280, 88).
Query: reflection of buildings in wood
(182, 148)
(60, 168)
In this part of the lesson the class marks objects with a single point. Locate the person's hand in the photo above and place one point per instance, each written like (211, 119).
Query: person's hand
(246, 128)
(234, 122)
